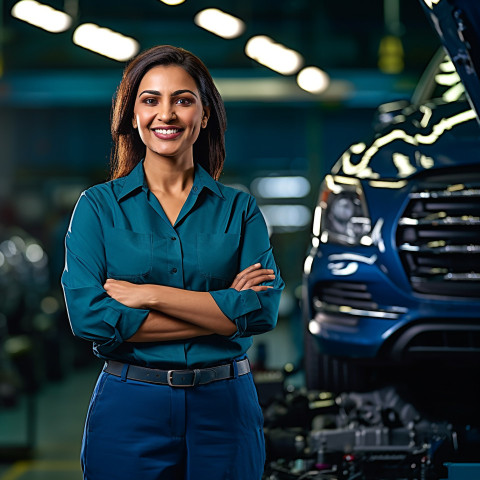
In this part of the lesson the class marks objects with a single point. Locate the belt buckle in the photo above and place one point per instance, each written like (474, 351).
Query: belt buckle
(170, 376)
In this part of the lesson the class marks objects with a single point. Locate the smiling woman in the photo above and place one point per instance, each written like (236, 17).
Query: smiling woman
(169, 273)
(209, 149)
(169, 119)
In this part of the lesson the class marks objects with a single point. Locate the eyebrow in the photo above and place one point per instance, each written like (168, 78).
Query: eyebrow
(174, 94)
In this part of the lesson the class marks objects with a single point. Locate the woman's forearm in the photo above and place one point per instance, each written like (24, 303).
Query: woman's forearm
(196, 308)
(159, 327)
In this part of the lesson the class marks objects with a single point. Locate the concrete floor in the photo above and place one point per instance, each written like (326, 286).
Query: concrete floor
(61, 409)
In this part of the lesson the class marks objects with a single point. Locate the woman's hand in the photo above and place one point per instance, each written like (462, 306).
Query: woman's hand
(130, 294)
(140, 296)
(252, 277)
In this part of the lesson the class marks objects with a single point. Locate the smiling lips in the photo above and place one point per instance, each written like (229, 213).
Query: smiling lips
(167, 133)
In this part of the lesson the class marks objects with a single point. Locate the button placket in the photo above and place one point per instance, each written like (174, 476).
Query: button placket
(175, 263)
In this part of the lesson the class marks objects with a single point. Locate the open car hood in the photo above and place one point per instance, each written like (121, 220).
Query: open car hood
(457, 22)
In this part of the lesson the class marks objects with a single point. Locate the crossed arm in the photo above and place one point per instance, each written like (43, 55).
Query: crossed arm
(177, 314)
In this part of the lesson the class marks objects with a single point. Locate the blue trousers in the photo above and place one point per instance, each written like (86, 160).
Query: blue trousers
(141, 431)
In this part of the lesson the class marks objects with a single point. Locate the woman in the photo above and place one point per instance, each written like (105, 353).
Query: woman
(169, 274)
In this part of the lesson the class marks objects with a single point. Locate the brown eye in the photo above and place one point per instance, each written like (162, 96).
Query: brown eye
(184, 101)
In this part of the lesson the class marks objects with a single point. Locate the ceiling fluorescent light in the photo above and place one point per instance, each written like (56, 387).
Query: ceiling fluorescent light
(273, 55)
(313, 80)
(105, 42)
(42, 16)
(281, 187)
(220, 23)
(287, 216)
(172, 2)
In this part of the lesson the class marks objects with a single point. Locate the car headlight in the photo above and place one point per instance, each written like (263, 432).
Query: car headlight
(341, 215)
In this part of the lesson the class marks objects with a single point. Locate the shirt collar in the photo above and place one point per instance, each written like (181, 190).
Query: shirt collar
(203, 179)
(136, 179)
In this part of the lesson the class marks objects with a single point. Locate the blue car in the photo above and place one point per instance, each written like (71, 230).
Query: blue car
(393, 274)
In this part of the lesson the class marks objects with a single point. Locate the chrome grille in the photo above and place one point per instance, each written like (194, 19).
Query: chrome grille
(438, 237)
(353, 295)
(350, 299)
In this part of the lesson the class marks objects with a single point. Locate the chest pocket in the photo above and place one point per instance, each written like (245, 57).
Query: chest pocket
(128, 254)
(217, 255)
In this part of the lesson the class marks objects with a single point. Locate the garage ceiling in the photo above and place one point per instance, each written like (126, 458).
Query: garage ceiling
(330, 34)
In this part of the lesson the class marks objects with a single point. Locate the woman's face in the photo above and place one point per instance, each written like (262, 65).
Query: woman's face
(168, 113)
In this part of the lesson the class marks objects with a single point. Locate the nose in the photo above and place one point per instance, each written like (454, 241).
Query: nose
(166, 113)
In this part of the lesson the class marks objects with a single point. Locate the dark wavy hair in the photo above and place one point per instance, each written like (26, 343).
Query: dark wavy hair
(128, 149)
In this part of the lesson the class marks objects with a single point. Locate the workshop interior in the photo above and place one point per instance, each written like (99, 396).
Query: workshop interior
(355, 125)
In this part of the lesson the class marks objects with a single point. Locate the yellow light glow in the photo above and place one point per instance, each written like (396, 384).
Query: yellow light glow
(358, 148)
(390, 55)
(362, 170)
(454, 93)
(387, 183)
(447, 79)
(426, 162)
(313, 80)
(402, 162)
(105, 42)
(307, 265)
(172, 2)
(346, 181)
(317, 221)
(427, 115)
(458, 187)
(273, 55)
(431, 3)
(220, 23)
(42, 16)
(447, 65)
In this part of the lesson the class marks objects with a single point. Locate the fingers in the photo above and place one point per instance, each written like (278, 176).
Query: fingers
(255, 280)
(247, 270)
(110, 282)
(260, 288)
(112, 285)
(252, 276)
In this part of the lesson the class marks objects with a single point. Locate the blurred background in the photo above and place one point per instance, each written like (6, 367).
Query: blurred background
(300, 80)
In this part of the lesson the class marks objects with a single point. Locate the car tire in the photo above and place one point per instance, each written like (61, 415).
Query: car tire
(312, 363)
(330, 373)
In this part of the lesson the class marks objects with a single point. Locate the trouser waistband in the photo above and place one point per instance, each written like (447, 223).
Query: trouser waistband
(178, 378)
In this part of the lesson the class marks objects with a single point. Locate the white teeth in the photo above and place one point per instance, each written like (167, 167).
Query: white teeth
(167, 132)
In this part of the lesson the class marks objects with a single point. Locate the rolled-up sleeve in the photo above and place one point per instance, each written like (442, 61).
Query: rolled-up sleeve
(253, 312)
(93, 314)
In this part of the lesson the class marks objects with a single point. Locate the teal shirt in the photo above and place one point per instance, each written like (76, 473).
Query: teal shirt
(119, 230)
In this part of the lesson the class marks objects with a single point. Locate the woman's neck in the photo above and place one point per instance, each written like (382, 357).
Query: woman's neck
(166, 175)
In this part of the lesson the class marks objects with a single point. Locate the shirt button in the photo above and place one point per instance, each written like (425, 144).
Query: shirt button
(174, 238)
(195, 189)
(174, 270)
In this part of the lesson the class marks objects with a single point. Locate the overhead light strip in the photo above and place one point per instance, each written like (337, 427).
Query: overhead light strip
(220, 23)
(313, 80)
(42, 16)
(273, 55)
(106, 42)
(119, 47)
(172, 2)
(281, 187)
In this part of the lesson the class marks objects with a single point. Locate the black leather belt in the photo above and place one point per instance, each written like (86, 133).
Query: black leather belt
(178, 378)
